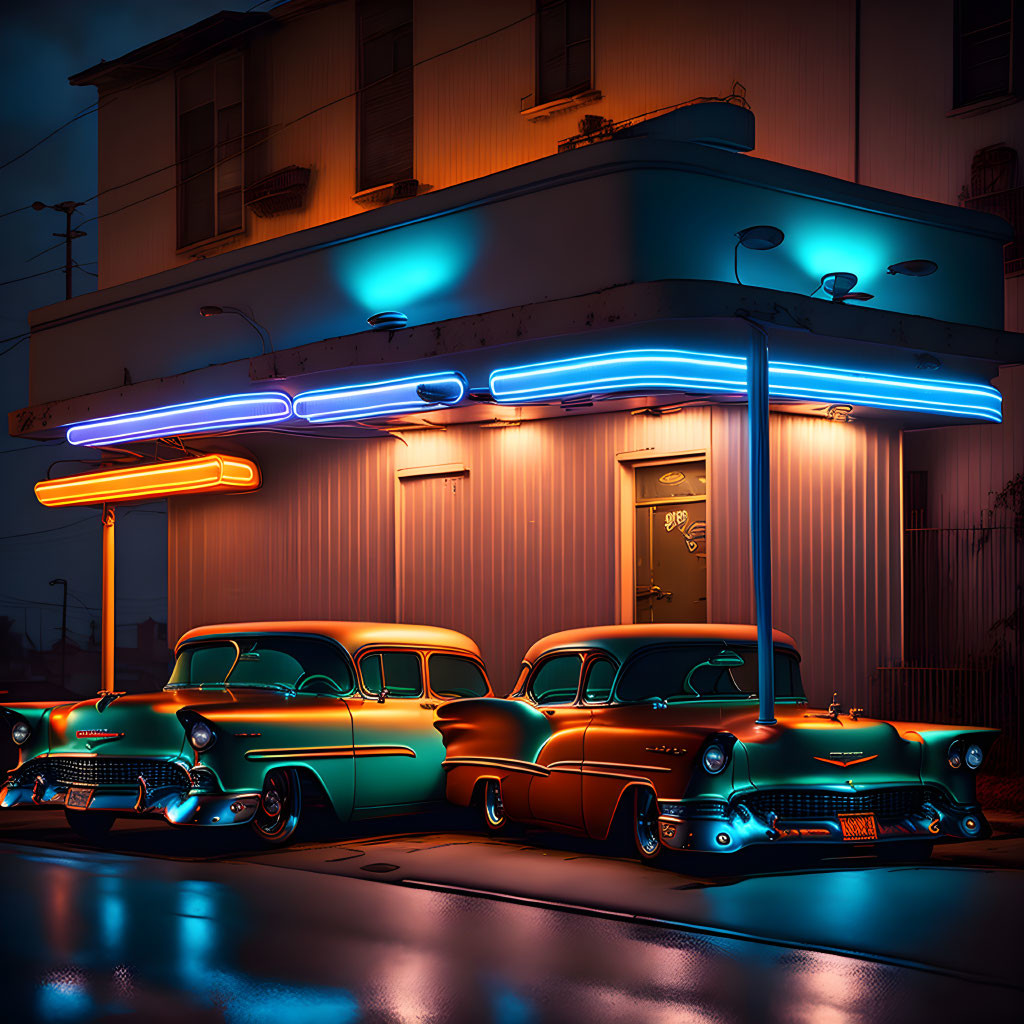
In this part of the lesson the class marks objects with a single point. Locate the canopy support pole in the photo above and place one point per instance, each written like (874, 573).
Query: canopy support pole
(760, 518)
(107, 634)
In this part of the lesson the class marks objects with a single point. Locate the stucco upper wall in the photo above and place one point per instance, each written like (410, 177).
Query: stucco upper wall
(622, 211)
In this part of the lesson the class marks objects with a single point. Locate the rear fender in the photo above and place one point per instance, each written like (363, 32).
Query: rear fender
(492, 737)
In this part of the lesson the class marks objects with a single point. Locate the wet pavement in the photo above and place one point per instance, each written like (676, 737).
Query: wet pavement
(163, 925)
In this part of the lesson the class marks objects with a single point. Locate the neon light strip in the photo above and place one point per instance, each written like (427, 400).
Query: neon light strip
(224, 413)
(654, 370)
(885, 390)
(381, 398)
(210, 474)
(630, 370)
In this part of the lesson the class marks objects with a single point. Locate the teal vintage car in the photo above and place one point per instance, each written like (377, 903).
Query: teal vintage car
(255, 717)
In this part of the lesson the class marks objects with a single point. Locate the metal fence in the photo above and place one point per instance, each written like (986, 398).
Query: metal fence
(963, 633)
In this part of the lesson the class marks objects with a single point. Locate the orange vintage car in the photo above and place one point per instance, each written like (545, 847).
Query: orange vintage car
(654, 728)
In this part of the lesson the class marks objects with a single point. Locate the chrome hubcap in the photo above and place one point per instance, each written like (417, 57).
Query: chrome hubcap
(647, 824)
(493, 807)
(278, 813)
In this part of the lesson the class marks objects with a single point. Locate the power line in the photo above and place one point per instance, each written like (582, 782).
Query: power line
(52, 529)
(94, 106)
(28, 277)
(10, 348)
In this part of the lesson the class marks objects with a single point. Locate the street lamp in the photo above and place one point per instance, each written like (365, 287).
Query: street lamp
(63, 627)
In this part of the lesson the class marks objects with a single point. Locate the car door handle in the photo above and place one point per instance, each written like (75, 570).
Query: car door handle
(548, 711)
(426, 704)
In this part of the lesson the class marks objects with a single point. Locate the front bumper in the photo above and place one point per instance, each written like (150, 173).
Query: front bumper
(179, 805)
(697, 827)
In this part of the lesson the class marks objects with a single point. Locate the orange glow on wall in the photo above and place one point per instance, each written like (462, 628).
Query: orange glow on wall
(208, 475)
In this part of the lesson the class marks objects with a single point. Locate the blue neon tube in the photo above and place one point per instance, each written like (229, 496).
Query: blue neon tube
(226, 412)
(381, 398)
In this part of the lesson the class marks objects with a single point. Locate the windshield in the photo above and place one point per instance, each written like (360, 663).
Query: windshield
(293, 662)
(682, 672)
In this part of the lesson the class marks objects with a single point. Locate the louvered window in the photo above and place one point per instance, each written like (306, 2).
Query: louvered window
(385, 92)
(988, 39)
(211, 120)
(563, 48)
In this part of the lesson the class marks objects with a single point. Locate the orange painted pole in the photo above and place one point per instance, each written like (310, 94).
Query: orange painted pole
(107, 633)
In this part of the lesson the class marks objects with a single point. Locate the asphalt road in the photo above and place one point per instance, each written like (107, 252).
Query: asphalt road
(446, 926)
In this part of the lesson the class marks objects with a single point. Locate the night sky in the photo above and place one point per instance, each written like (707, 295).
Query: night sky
(41, 44)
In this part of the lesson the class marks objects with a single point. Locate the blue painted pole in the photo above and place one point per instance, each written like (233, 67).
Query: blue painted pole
(760, 518)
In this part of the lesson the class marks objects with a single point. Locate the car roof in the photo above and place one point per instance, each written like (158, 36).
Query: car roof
(353, 636)
(623, 640)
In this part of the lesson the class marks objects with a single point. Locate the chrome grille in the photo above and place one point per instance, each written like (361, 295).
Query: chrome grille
(816, 804)
(104, 771)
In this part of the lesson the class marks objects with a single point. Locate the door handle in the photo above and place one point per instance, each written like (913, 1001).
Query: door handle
(426, 704)
(548, 711)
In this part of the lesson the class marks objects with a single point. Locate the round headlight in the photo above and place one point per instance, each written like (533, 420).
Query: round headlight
(953, 755)
(20, 733)
(974, 756)
(200, 736)
(715, 759)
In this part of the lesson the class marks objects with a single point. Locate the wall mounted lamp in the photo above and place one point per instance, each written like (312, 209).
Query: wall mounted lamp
(760, 237)
(208, 311)
(390, 320)
(913, 268)
(838, 286)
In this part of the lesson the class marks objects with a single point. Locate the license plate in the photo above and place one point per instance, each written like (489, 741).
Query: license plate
(79, 798)
(858, 827)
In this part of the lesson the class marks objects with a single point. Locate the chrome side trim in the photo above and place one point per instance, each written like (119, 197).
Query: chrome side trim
(507, 763)
(303, 753)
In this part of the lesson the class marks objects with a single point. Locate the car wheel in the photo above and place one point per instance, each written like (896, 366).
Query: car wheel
(493, 807)
(91, 825)
(646, 837)
(277, 817)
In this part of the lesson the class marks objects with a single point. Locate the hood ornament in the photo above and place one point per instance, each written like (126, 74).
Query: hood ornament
(834, 707)
(107, 697)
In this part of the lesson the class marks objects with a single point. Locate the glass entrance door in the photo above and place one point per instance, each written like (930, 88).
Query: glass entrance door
(671, 542)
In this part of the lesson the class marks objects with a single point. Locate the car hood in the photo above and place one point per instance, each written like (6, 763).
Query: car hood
(135, 725)
(806, 747)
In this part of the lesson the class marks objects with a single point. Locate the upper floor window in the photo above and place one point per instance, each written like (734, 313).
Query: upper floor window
(563, 48)
(211, 119)
(385, 115)
(987, 34)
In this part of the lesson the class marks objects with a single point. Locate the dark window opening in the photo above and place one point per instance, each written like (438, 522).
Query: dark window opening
(397, 671)
(985, 44)
(563, 49)
(211, 127)
(994, 189)
(556, 680)
(385, 109)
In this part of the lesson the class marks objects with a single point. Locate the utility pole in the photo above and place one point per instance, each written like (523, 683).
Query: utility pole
(67, 207)
(63, 628)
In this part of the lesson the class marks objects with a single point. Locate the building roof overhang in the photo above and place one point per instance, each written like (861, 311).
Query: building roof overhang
(206, 38)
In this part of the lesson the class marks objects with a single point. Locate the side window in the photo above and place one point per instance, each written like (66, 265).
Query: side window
(598, 684)
(452, 676)
(399, 671)
(556, 680)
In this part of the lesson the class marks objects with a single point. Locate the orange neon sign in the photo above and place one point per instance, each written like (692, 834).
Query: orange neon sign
(208, 475)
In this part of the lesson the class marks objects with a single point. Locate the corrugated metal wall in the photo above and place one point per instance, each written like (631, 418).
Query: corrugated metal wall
(525, 543)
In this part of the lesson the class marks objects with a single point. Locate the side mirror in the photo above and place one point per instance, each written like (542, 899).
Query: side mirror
(657, 703)
(382, 695)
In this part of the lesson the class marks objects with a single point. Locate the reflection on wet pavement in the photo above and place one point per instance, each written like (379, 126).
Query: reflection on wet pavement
(97, 936)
